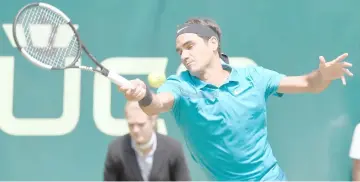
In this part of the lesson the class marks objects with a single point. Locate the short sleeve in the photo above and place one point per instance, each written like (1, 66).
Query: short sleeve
(268, 79)
(172, 85)
(355, 144)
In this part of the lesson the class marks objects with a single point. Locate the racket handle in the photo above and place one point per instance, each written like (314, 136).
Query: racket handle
(119, 80)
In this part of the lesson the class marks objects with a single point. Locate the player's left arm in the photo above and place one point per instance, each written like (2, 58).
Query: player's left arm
(318, 80)
(310, 83)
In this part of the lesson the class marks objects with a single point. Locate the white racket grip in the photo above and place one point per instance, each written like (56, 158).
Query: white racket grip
(119, 80)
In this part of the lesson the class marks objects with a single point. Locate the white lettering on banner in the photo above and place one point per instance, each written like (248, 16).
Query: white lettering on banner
(38, 126)
(104, 121)
(40, 34)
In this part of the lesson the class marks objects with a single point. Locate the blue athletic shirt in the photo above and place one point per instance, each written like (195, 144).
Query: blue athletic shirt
(225, 127)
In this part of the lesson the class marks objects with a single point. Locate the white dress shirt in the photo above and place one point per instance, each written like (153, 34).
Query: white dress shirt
(145, 161)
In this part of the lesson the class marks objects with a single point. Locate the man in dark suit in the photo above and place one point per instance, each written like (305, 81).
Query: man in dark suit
(144, 154)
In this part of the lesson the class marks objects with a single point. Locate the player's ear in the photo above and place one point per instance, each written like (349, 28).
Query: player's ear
(213, 43)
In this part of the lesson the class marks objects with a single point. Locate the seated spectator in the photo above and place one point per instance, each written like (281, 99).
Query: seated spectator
(144, 154)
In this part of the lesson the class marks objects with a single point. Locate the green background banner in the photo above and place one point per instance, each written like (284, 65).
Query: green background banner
(56, 125)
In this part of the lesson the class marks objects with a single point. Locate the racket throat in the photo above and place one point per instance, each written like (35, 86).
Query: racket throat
(104, 72)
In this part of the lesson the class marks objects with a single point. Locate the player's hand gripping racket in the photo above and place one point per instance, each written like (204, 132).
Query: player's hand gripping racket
(53, 57)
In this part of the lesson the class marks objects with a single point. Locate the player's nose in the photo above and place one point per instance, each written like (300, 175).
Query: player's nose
(185, 55)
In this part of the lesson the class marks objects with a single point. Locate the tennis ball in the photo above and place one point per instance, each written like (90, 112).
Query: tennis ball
(156, 79)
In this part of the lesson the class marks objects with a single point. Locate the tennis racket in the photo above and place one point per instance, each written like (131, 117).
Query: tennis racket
(53, 57)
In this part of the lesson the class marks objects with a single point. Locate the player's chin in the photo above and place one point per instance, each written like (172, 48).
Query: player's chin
(193, 69)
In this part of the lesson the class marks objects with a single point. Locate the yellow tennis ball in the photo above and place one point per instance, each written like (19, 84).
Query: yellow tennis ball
(156, 79)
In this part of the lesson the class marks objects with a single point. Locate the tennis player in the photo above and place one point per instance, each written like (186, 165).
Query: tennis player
(221, 109)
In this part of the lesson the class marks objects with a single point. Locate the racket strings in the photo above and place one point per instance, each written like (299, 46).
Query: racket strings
(36, 22)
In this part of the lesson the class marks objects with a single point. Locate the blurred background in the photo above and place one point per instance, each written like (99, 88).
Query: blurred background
(56, 126)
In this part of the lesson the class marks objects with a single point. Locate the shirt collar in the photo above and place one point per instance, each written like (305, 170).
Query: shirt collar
(153, 147)
(233, 77)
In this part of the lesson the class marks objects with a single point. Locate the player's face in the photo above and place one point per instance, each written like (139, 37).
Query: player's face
(195, 53)
(140, 126)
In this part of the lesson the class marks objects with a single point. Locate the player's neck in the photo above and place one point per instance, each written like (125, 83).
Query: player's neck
(214, 73)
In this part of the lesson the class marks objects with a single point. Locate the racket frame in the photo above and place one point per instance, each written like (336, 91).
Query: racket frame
(114, 77)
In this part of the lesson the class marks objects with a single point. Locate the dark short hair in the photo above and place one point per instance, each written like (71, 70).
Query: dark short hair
(211, 24)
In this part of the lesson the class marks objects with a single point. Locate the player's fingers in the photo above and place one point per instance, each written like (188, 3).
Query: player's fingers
(138, 90)
(129, 92)
(143, 85)
(346, 64)
(322, 60)
(141, 94)
(123, 89)
(128, 88)
(137, 94)
(120, 89)
(135, 84)
(341, 57)
(343, 80)
(348, 72)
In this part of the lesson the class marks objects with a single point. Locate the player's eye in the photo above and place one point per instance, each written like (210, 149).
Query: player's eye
(189, 46)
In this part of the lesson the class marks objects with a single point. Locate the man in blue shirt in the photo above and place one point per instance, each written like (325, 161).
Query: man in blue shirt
(221, 110)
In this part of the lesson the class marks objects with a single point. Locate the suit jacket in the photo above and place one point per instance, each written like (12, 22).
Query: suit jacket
(169, 163)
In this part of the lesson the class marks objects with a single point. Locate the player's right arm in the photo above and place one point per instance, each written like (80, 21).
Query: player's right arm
(161, 102)
(153, 103)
